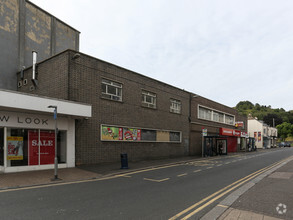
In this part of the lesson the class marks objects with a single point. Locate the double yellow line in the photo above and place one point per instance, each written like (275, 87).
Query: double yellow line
(217, 195)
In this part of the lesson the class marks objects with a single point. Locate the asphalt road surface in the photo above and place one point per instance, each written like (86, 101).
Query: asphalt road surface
(181, 191)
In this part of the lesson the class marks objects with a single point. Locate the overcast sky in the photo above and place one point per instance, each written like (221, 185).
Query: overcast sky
(225, 50)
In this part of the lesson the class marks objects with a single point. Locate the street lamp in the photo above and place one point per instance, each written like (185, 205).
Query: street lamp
(56, 131)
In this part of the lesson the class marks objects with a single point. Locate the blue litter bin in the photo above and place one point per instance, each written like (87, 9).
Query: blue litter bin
(124, 161)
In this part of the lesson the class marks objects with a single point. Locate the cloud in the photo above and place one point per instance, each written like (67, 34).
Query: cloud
(227, 50)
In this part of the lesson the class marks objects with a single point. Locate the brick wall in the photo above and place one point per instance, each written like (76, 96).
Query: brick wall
(80, 80)
(52, 78)
(212, 127)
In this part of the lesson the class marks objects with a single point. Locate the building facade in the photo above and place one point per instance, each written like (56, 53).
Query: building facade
(27, 131)
(217, 128)
(125, 112)
(24, 27)
(264, 135)
(132, 113)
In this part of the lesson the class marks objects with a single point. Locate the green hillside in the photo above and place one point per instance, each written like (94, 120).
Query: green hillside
(281, 119)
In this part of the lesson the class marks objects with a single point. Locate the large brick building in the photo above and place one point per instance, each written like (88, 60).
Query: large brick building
(222, 125)
(103, 109)
(153, 113)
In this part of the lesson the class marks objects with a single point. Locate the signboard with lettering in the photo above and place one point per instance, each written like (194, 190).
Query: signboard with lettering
(230, 132)
(239, 124)
(45, 146)
(31, 121)
(204, 132)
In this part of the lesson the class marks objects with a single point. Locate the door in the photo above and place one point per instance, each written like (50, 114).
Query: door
(222, 146)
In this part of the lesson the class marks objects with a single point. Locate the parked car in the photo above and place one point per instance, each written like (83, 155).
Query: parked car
(282, 144)
(287, 144)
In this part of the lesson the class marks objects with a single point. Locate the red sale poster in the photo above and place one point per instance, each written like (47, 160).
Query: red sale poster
(47, 147)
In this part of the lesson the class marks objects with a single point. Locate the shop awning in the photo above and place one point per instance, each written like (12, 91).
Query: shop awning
(16, 101)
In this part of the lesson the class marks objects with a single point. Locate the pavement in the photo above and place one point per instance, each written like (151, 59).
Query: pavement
(267, 197)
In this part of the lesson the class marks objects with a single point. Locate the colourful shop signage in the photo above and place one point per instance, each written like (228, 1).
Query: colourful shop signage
(117, 133)
(15, 148)
(43, 146)
(259, 136)
(244, 134)
(239, 124)
(230, 132)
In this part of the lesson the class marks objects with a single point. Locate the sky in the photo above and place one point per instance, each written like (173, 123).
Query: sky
(224, 50)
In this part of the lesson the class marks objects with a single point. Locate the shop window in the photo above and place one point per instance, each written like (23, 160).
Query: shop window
(175, 136)
(117, 133)
(175, 106)
(149, 99)
(111, 90)
(148, 135)
(17, 147)
(34, 147)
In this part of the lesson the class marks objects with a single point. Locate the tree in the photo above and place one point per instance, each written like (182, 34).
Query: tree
(272, 119)
(285, 130)
(244, 105)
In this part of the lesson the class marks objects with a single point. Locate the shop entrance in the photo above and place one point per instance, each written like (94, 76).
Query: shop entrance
(215, 145)
(1, 147)
(222, 146)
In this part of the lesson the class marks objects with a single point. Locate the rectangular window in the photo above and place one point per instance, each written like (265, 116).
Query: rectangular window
(205, 113)
(213, 115)
(175, 106)
(149, 99)
(34, 147)
(218, 117)
(111, 90)
(175, 137)
(229, 119)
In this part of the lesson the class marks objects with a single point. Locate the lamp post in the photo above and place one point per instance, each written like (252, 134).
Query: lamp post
(56, 131)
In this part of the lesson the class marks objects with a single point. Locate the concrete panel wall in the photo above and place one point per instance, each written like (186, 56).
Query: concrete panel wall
(25, 27)
(37, 34)
(9, 28)
(65, 37)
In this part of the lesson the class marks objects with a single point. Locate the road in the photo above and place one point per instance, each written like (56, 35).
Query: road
(181, 191)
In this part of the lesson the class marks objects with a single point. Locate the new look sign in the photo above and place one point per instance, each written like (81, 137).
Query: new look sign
(25, 120)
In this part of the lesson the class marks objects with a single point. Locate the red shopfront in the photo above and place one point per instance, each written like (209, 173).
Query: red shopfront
(232, 138)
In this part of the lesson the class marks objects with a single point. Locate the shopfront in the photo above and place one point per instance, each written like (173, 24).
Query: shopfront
(233, 139)
(215, 145)
(27, 136)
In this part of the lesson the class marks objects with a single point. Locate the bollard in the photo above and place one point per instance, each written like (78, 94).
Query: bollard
(124, 161)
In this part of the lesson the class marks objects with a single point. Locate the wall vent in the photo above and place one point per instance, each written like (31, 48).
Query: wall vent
(32, 88)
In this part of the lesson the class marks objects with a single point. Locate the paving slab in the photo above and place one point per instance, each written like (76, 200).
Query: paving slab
(272, 196)
(40, 177)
